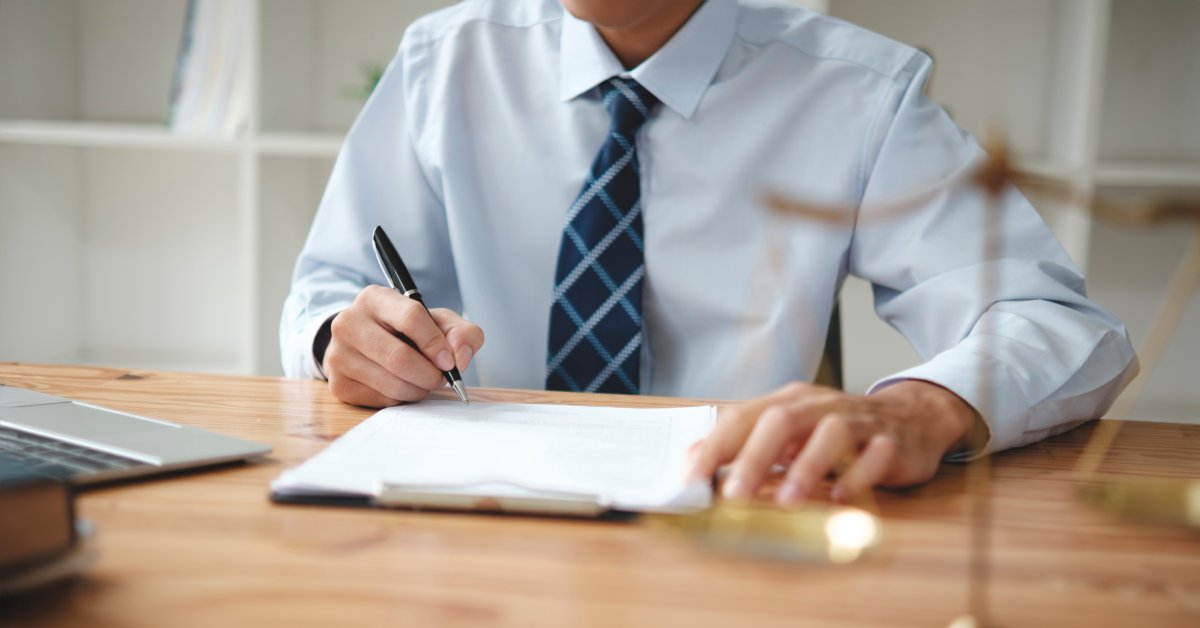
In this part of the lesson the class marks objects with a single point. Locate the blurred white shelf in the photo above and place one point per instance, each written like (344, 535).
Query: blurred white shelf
(1051, 169)
(1117, 173)
(109, 135)
(290, 144)
(150, 136)
(1148, 174)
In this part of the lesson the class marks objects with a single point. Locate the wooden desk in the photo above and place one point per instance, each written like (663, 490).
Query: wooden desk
(209, 549)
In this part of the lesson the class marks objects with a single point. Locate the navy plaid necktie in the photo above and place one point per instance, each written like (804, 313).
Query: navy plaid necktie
(596, 307)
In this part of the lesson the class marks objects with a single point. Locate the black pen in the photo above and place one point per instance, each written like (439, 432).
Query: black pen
(402, 282)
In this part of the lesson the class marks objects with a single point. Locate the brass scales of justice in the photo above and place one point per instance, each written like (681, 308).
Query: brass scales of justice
(823, 533)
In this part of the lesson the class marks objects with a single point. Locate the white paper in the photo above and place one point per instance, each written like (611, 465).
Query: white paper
(632, 459)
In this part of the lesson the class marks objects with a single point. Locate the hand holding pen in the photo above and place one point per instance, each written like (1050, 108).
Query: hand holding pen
(387, 348)
(401, 281)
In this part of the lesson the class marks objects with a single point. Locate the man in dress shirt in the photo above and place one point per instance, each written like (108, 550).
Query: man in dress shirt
(478, 153)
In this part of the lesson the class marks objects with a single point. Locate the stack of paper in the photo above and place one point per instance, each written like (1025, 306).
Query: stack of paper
(210, 94)
(446, 454)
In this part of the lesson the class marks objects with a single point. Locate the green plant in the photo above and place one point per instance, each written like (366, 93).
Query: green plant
(372, 72)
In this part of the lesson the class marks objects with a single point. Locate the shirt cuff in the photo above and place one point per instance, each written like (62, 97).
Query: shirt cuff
(308, 336)
(967, 374)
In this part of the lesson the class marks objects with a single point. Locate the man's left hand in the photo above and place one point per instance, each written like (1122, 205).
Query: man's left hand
(895, 437)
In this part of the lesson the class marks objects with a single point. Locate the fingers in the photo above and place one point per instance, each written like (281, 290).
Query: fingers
(832, 442)
(733, 427)
(348, 370)
(357, 393)
(868, 441)
(354, 333)
(778, 427)
(407, 316)
(465, 337)
(734, 424)
(868, 471)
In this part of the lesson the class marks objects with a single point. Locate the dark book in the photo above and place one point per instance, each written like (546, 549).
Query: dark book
(37, 519)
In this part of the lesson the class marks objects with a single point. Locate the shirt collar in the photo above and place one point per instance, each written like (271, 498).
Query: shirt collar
(677, 74)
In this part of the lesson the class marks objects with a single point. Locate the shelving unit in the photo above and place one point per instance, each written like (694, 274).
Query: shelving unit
(91, 178)
(93, 186)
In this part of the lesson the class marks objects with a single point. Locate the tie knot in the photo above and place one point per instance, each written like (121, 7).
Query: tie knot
(628, 103)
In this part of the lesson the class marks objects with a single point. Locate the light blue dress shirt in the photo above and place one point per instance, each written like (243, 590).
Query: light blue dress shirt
(481, 132)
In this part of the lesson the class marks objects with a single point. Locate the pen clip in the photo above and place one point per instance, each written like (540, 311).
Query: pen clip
(393, 265)
(391, 279)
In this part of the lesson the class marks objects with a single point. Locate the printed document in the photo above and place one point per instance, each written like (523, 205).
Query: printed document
(624, 458)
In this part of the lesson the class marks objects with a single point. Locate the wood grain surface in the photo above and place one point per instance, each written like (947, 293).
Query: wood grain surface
(209, 549)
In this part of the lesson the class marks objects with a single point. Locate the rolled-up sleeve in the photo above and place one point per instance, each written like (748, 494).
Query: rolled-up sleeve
(378, 179)
(1012, 331)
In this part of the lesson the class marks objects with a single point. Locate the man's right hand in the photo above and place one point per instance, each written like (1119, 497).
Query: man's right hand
(367, 364)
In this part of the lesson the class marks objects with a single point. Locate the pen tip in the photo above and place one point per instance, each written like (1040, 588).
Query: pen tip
(461, 389)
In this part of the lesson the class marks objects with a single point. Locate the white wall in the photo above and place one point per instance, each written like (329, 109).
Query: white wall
(159, 262)
(41, 237)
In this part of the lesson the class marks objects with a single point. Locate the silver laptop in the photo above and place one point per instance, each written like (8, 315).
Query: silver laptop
(85, 444)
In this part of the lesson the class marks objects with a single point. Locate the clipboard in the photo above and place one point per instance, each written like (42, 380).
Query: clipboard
(527, 459)
(467, 498)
